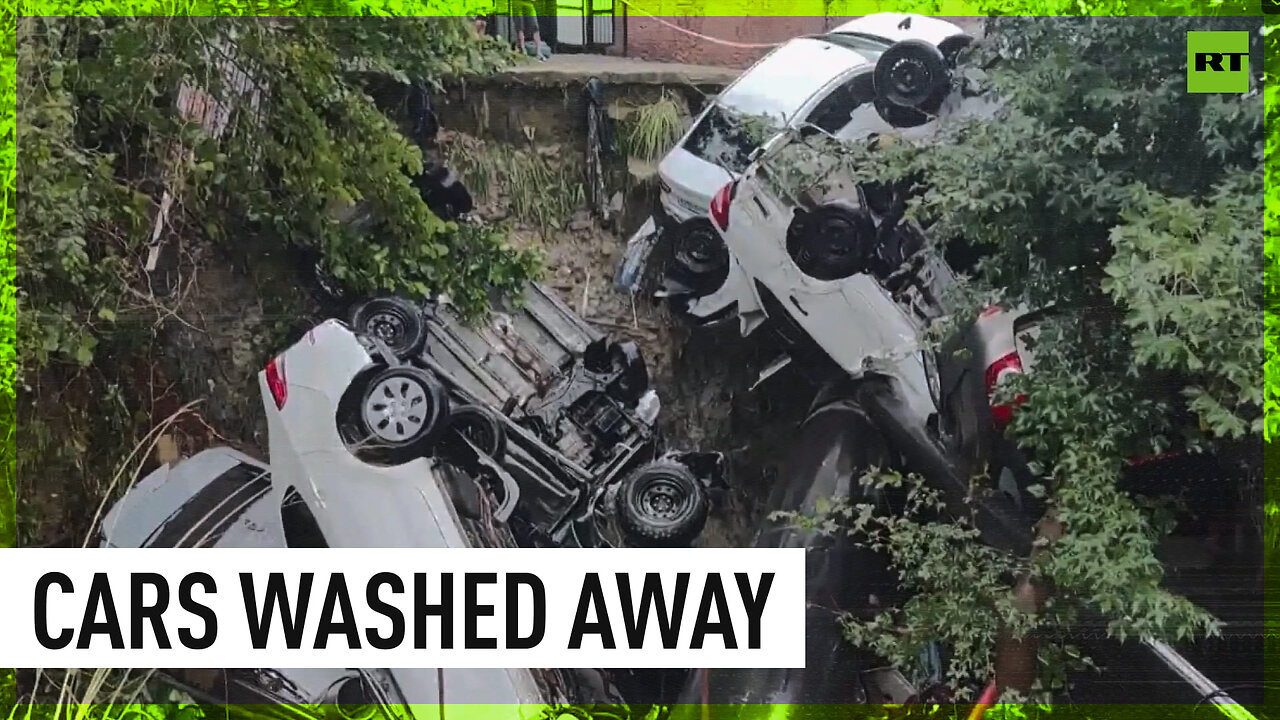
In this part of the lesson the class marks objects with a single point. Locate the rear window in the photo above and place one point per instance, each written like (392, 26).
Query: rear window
(724, 138)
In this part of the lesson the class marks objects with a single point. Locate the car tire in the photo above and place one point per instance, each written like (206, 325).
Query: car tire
(699, 256)
(482, 427)
(401, 412)
(394, 321)
(662, 504)
(831, 242)
(912, 74)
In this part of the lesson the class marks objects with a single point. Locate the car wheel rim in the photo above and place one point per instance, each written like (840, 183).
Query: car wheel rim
(909, 79)
(388, 327)
(397, 409)
(663, 501)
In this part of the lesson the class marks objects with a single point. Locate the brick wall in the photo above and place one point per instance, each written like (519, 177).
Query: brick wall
(649, 39)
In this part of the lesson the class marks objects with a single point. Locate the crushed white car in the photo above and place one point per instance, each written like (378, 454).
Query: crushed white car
(318, 493)
(559, 421)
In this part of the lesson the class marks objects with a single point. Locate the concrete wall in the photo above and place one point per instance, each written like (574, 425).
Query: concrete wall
(649, 39)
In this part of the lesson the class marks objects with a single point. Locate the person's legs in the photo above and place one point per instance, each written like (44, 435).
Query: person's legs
(534, 30)
(528, 26)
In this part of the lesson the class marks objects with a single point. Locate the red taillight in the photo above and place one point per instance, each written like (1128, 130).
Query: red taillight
(1001, 415)
(990, 310)
(720, 206)
(276, 382)
(985, 701)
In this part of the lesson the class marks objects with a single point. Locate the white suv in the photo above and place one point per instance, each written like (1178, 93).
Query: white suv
(816, 80)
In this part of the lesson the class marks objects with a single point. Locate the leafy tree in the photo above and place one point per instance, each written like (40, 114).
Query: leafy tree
(305, 146)
(1103, 187)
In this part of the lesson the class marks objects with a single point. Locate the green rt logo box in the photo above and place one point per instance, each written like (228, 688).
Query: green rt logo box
(1218, 62)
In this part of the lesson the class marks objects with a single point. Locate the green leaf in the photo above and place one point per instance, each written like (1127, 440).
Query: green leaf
(84, 350)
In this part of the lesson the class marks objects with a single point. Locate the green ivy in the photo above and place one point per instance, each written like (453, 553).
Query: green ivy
(1105, 187)
(311, 161)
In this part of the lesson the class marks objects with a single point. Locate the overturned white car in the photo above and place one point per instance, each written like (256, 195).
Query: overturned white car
(829, 262)
(814, 80)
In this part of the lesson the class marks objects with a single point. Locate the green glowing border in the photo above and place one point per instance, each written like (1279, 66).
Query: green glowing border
(10, 10)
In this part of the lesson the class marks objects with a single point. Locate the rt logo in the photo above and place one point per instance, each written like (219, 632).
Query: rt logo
(1218, 62)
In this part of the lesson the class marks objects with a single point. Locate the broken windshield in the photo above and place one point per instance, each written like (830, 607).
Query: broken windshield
(726, 138)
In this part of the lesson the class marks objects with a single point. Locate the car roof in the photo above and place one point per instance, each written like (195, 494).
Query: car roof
(889, 27)
(785, 79)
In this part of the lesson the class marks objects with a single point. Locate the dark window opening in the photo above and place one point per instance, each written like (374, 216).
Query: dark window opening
(836, 109)
(723, 139)
(964, 256)
(300, 527)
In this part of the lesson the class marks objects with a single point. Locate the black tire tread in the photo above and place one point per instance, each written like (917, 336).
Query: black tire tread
(677, 534)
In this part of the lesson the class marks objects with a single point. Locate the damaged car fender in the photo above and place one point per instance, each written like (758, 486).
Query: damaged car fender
(737, 297)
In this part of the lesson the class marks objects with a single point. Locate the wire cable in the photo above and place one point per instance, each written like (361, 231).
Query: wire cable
(708, 38)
